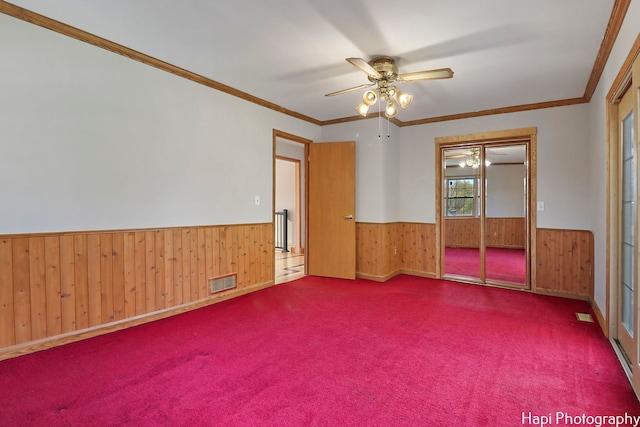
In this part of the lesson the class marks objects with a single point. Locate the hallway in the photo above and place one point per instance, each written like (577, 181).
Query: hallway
(289, 266)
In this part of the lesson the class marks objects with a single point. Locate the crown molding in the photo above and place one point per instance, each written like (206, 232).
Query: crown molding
(616, 19)
(610, 35)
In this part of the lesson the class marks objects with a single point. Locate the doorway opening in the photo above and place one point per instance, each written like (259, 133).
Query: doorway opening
(290, 256)
(485, 223)
(290, 154)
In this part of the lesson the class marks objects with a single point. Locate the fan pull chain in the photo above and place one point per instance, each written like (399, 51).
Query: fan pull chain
(388, 132)
(379, 124)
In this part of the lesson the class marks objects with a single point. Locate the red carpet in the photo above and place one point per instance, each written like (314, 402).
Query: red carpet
(408, 352)
(502, 264)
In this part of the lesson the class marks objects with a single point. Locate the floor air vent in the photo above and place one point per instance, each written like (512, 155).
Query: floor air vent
(584, 317)
(223, 283)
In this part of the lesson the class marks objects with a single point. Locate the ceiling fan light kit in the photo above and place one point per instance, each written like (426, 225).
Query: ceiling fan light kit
(473, 160)
(381, 72)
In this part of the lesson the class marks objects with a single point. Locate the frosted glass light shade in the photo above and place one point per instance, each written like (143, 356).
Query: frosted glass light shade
(362, 109)
(370, 97)
(404, 99)
(391, 110)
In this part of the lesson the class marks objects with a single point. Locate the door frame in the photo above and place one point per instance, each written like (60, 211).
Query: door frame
(525, 136)
(624, 81)
(297, 139)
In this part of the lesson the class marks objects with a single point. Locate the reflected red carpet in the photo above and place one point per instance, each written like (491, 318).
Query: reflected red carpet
(408, 352)
(503, 264)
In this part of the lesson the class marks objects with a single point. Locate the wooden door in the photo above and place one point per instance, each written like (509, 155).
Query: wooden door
(332, 228)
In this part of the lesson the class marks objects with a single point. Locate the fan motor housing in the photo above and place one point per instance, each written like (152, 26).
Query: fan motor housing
(385, 66)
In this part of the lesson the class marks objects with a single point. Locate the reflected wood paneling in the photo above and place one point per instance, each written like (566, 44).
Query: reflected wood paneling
(506, 232)
(565, 262)
(65, 283)
(462, 232)
(501, 232)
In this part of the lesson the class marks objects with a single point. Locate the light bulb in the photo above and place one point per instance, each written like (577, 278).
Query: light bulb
(370, 97)
(487, 162)
(462, 164)
(362, 109)
(391, 110)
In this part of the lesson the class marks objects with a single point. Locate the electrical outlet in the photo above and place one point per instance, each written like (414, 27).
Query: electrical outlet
(257, 201)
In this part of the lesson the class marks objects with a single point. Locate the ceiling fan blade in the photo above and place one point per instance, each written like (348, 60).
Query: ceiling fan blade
(351, 89)
(441, 73)
(364, 66)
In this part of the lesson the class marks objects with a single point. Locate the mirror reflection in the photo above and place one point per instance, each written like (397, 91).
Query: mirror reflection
(462, 211)
(506, 214)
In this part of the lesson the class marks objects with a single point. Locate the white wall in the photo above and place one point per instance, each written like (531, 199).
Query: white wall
(597, 147)
(286, 195)
(562, 178)
(505, 191)
(92, 140)
(285, 185)
(404, 165)
(407, 162)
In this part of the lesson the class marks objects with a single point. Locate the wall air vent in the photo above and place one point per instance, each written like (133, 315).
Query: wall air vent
(219, 284)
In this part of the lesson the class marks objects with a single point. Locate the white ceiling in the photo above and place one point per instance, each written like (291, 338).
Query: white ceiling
(503, 52)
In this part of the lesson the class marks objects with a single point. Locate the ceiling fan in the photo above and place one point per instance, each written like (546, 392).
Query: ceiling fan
(382, 73)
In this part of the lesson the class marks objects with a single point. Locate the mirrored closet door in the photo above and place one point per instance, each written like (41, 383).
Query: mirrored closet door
(462, 211)
(506, 214)
(484, 216)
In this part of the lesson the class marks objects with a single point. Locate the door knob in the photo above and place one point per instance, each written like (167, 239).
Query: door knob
(348, 217)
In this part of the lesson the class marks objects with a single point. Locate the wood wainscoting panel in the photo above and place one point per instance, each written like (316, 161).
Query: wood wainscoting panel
(65, 283)
(565, 262)
(418, 248)
(384, 250)
(377, 250)
(7, 311)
